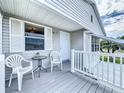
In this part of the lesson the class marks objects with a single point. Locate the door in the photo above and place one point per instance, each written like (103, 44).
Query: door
(65, 45)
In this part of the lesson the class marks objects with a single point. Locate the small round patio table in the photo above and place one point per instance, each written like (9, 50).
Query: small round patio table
(39, 60)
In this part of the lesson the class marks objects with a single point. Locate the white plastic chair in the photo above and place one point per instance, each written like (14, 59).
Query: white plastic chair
(55, 58)
(15, 62)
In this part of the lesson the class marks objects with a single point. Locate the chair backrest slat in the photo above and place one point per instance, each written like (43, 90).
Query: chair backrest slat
(54, 55)
(14, 60)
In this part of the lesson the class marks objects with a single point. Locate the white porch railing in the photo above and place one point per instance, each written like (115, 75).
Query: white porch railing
(105, 67)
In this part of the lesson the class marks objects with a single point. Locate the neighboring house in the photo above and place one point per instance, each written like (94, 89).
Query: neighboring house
(31, 26)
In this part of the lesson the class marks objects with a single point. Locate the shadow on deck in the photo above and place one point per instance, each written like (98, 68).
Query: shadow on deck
(59, 82)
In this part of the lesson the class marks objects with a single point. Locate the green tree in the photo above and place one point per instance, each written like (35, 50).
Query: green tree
(108, 45)
(121, 45)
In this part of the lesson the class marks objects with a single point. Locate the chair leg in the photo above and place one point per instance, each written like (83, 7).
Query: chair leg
(51, 67)
(32, 74)
(20, 76)
(10, 80)
(61, 66)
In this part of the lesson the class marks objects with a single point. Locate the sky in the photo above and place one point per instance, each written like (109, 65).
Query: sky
(112, 15)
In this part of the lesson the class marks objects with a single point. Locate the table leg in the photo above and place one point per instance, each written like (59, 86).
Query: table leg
(39, 70)
(43, 67)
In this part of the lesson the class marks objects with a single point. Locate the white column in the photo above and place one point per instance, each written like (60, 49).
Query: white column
(72, 60)
(86, 41)
(0, 33)
(89, 43)
(87, 47)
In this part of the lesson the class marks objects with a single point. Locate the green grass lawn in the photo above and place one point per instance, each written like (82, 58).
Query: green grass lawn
(117, 59)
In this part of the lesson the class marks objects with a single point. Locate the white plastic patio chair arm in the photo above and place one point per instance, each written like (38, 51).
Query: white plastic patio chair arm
(29, 61)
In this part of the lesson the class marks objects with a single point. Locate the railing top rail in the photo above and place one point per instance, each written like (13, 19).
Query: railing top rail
(99, 53)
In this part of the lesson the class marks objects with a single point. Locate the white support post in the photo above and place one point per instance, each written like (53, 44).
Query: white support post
(99, 45)
(114, 69)
(72, 60)
(107, 68)
(2, 74)
(121, 63)
(0, 34)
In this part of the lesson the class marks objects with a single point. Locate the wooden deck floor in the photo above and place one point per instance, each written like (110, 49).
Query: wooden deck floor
(59, 82)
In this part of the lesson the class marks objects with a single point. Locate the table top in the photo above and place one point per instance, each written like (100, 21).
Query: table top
(39, 57)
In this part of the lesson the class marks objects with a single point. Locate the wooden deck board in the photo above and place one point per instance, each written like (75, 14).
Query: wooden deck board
(93, 88)
(86, 88)
(108, 90)
(100, 89)
(59, 82)
(69, 88)
(114, 91)
(50, 88)
(79, 86)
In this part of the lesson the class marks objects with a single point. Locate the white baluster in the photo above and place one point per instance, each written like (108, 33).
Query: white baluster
(114, 69)
(72, 60)
(121, 81)
(107, 68)
(102, 66)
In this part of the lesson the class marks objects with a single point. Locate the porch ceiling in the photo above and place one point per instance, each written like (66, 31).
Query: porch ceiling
(31, 11)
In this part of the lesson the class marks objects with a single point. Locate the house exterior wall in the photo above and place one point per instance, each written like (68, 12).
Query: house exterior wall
(26, 54)
(77, 40)
(5, 35)
(79, 11)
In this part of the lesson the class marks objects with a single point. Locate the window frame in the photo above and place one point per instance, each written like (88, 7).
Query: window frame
(94, 44)
(91, 18)
(33, 37)
(23, 22)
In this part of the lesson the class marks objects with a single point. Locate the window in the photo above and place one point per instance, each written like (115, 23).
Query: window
(34, 37)
(95, 44)
(92, 18)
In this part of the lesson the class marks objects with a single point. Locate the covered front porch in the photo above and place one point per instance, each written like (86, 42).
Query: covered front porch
(29, 27)
(60, 82)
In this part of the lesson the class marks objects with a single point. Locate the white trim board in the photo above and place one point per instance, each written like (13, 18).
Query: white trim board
(119, 41)
(1, 33)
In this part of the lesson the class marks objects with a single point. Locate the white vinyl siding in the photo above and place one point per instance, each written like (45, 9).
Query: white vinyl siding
(48, 38)
(5, 35)
(78, 11)
(16, 36)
